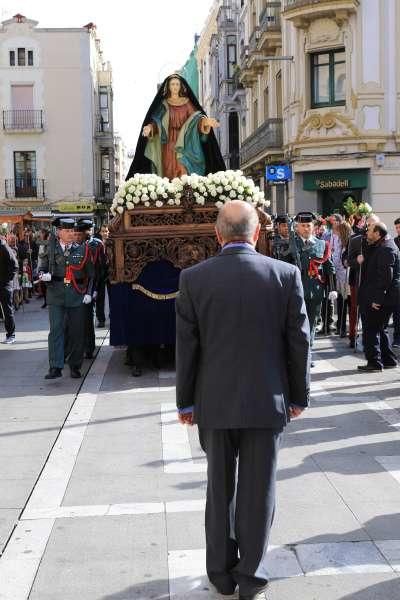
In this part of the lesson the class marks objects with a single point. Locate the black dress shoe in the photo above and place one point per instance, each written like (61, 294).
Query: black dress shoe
(259, 596)
(352, 342)
(53, 373)
(391, 366)
(370, 368)
(75, 373)
(136, 371)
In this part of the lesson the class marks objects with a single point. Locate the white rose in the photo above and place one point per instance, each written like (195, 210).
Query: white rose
(219, 189)
(153, 195)
(120, 209)
(151, 188)
(214, 193)
(240, 189)
(144, 190)
(240, 197)
(121, 200)
(232, 194)
(131, 189)
(184, 178)
(128, 197)
(130, 205)
(219, 204)
(228, 188)
(122, 193)
(159, 203)
(147, 203)
(136, 199)
(171, 201)
(164, 195)
(177, 201)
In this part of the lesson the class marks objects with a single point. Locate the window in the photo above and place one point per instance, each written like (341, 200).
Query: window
(21, 57)
(266, 103)
(279, 102)
(231, 55)
(255, 115)
(328, 78)
(25, 174)
(104, 114)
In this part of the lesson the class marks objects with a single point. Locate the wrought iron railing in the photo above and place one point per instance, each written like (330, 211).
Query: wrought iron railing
(103, 127)
(103, 190)
(225, 16)
(27, 186)
(253, 39)
(288, 4)
(270, 17)
(14, 120)
(268, 135)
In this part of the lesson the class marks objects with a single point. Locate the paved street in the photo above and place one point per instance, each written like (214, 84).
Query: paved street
(102, 492)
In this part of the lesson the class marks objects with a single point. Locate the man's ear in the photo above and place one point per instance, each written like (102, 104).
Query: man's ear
(257, 233)
(219, 238)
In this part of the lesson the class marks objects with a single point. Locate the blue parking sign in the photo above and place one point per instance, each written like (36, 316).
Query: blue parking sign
(279, 173)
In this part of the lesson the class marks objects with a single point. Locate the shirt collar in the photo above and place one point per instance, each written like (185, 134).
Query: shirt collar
(238, 245)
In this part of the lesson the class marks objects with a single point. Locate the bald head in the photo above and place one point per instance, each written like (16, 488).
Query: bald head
(237, 221)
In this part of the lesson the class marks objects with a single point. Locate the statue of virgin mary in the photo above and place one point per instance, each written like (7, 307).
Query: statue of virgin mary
(177, 137)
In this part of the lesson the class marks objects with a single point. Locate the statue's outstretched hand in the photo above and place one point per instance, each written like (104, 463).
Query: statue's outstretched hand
(147, 131)
(209, 122)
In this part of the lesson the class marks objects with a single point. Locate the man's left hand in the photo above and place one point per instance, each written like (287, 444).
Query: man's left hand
(332, 296)
(295, 411)
(186, 418)
(376, 306)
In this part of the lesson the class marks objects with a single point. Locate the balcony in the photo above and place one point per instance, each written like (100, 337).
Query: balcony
(23, 121)
(301, 12)
(103, 190)
(103, 129)
(270, 27)
(226, 18)
(24, 187)
(269, 136)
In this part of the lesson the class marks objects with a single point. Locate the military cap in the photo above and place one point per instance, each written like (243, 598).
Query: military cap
(83, 225)
(305, 217)
(281, 219)
(63, 223)
(397, 221)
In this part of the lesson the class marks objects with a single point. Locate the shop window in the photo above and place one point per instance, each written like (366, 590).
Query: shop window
(328, 78)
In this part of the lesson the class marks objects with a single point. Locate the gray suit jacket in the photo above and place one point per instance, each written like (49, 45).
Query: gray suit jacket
(242, 353)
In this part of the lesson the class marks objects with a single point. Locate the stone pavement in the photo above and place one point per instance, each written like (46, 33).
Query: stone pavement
(102, 492)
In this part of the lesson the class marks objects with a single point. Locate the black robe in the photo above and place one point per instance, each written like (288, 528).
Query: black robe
(212, 153)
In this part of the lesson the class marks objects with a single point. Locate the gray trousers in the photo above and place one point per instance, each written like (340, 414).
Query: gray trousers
(240, 505)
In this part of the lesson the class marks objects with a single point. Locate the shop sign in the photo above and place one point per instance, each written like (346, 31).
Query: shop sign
(75, 207)
(335, 180)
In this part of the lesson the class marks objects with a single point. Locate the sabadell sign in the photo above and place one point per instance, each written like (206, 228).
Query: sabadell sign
(336, 180)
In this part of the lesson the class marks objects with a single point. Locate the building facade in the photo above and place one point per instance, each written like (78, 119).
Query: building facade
(56, 138)
(341, 104)
(316, 86)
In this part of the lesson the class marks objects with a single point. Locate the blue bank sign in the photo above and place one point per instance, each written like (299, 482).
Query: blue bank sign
(279, 173)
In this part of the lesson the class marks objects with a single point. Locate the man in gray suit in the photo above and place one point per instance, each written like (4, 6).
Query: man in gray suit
(242, 373)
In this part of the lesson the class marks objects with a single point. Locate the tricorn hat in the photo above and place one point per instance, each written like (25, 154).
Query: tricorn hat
(305, 217)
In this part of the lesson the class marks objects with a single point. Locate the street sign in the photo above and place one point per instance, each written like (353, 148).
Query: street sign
(279, 173)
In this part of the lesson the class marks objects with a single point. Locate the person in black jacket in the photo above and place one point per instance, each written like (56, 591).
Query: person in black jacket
(396, 310)
(378, 295)
(8, 268)
(242, 363)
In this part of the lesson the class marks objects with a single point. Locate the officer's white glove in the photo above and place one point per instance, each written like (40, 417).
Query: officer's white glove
(87, 298)
(94, 295)
(332, 296)
(45, 277)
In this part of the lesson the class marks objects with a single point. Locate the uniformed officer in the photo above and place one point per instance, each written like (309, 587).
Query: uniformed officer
(67, 269)
(281, 246)
(84, 230)
(313, 258)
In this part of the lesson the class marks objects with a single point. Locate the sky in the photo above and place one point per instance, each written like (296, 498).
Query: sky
(145, 40)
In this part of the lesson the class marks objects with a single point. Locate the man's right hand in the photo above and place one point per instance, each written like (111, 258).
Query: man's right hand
(46, 277)
(360, 259)
(185, 418)
(295, 411)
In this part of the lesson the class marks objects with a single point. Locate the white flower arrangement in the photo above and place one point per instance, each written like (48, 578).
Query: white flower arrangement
(216, 188)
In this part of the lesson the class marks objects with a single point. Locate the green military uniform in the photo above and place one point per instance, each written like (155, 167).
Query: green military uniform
(317, 275)
(71, 278)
